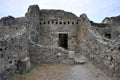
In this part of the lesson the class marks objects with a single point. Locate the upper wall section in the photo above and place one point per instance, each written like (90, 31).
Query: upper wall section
(58, 20)
(109, 28)
(57, 17)
(33, 12)
(7, 21)
(10, 25)
(46, 25)
(57, 14)
(113, 21)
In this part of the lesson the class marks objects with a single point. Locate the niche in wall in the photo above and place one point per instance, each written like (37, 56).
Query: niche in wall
(108, 35)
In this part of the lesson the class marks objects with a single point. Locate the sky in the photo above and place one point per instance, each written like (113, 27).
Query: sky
(96, 10)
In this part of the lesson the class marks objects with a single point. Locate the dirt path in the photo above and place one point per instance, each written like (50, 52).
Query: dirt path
(44, 72)
(85, 72)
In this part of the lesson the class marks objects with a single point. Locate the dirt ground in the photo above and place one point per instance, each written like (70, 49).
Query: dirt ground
(44, 72)
(85, 72)
(62, 72)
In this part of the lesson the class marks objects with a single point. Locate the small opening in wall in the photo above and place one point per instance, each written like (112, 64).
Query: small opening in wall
(40, 23)
(8, 57)
(108, 36)
(10, 62)
(72, 22)
(48, 22)
(64, 22)
(16, 28)
(56, 22)
(112, 49)
(44, 23)
(76, 22)
(60, 22)
(119, 48)
(0, 49)
(68, 22)
(52, 22)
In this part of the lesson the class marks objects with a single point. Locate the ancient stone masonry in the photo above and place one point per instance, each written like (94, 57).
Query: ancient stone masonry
(52, 36)
(7, 21)
(44, 54)
(56, 22)
(13, 48)
(102, 50)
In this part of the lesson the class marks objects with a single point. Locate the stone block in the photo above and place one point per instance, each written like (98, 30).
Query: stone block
(24, 65)
(71, 54)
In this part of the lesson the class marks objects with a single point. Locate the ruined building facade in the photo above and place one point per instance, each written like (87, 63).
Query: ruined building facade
(47, 36)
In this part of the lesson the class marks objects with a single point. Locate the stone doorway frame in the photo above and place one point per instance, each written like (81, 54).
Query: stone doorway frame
(63, 40)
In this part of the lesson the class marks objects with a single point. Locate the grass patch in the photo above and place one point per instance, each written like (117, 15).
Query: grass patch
(43, 72)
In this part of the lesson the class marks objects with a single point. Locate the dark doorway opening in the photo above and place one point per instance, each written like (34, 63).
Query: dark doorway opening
(108, 36)
(63, 40)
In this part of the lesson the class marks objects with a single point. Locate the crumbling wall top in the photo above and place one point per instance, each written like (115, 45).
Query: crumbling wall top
(33, 12)
(57, 14)
(7, 21)
(33, 8)
(112, 20)
(100, 25)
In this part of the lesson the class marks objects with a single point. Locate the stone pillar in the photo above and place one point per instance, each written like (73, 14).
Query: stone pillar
(24, 65)
(33, 16)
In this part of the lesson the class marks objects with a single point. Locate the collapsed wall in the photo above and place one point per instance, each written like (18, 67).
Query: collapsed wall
(114, 22)
(13, 48)
(101, 50)
(40, 54)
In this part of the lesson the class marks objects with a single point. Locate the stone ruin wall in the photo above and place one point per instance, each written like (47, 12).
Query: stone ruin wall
(106, 30)
(13, 47)
(55, 22)
(41, 51)
(103, 52)
(114, 22)
(40, 54)
(91, 39)
(19, 42)
(36, 36)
